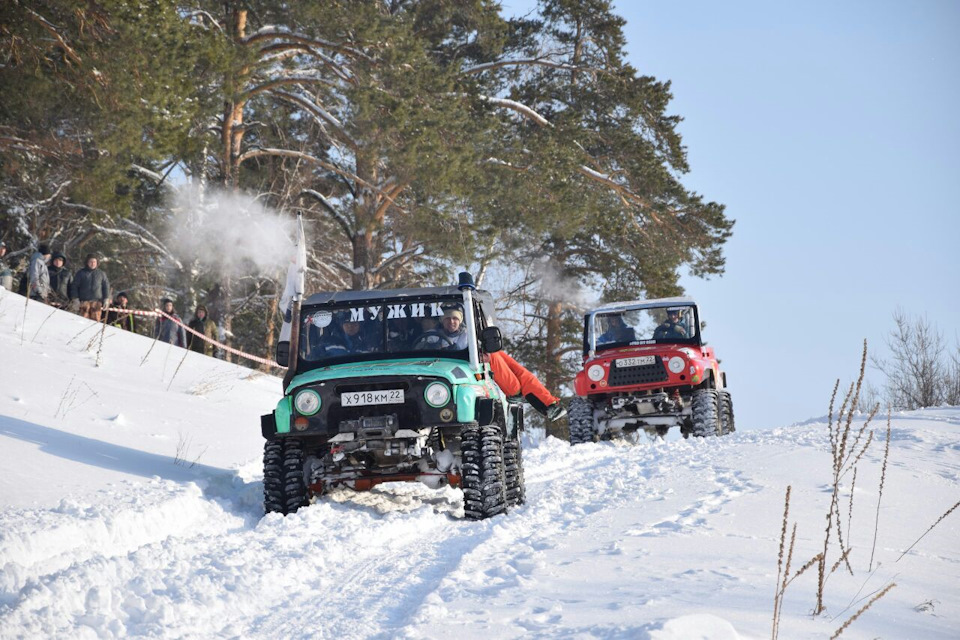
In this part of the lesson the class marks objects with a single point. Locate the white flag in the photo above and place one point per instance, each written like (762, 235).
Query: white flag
(296, 274)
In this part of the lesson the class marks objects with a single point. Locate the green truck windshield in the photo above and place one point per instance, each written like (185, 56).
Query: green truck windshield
(411, 327)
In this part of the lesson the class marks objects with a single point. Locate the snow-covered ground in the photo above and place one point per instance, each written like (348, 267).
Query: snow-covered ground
(130, 506)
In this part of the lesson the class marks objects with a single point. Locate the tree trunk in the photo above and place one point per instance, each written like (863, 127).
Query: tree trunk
(365, 213)
(232, 135)
(553, 369)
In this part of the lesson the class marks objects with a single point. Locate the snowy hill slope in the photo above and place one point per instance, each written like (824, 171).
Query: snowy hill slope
(127, 509)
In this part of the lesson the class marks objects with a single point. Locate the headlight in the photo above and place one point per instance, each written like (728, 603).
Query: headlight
(676, 364)
(437, 394)
(595, 373)
(307, 402)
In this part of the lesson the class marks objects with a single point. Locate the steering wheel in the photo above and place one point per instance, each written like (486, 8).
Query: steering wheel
(423, 342)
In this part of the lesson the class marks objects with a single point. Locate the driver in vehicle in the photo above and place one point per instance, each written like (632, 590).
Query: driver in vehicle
(451, 328)
(617, 331)
(673, 328)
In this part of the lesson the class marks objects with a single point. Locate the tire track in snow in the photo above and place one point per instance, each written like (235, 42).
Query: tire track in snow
(394, 556)
(560, 509)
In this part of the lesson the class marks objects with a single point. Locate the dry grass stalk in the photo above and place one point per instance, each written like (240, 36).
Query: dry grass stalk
(846, 624)
(939, 520)
(23, 325)
(81, 332)
(883, 477)
(853, 488)
(841, 458)
(783, 539)
(152, 345)
(812, 561)
(856, 456)
(37, 333)
(843, 545)
(842, 434)
(841, 560)
(783, 588)
(103, 331)
(177, 370)
(833, 399)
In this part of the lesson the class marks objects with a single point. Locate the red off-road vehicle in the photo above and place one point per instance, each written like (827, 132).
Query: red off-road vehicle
(645, 367)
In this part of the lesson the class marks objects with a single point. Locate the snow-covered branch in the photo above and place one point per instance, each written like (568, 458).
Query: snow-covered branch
(623, 191)
(276, 82)
(402, 257)
(525, 62)
(322, 115)
(139, 237)
(294, 48)
(273, 32)
(506, 165)
(519, 108)
(299, 155)
(341, 220)
(56, 194)
(149, 173)
(195, 13)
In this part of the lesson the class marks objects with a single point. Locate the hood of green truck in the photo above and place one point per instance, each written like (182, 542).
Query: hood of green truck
(453, 371)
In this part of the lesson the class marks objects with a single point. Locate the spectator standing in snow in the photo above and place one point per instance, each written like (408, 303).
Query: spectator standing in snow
(91, 289)
(202, 324)
(516, 380)
(38, 276)
(6, 273)
(118, 316)
(60, 280)
(168, 330)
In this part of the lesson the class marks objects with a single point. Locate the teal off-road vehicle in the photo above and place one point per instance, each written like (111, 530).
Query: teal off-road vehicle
(388, 386)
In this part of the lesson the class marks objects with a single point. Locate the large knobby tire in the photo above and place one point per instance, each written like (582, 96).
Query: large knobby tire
(516, 492)
(705, 410)
(483, 480)
(726, 412)
(284, 490)
(580, 417)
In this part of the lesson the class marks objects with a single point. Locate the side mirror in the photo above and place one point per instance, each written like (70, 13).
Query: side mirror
(283, 353)
(491, 340)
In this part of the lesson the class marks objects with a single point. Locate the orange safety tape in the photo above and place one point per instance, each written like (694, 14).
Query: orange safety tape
(242, 354)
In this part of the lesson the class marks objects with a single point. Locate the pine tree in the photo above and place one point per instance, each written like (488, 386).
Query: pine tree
(600, 158)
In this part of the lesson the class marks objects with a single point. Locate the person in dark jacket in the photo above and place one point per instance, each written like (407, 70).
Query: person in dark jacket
(673, 328)
(617, 331)
(38, 275)
(118, 316)
(91, 289)
(202, 324)
(168, 330)
(60, 280)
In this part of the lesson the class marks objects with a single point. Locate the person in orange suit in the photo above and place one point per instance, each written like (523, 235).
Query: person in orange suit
(515, 380)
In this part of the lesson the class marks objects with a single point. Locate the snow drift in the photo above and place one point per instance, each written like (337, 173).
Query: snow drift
(130, 506)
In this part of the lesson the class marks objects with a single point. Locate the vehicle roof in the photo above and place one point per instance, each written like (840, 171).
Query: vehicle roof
(641, 304)
(378, 294)
(372, 295)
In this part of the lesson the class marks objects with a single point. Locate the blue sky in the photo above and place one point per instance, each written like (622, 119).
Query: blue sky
(832, 133)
